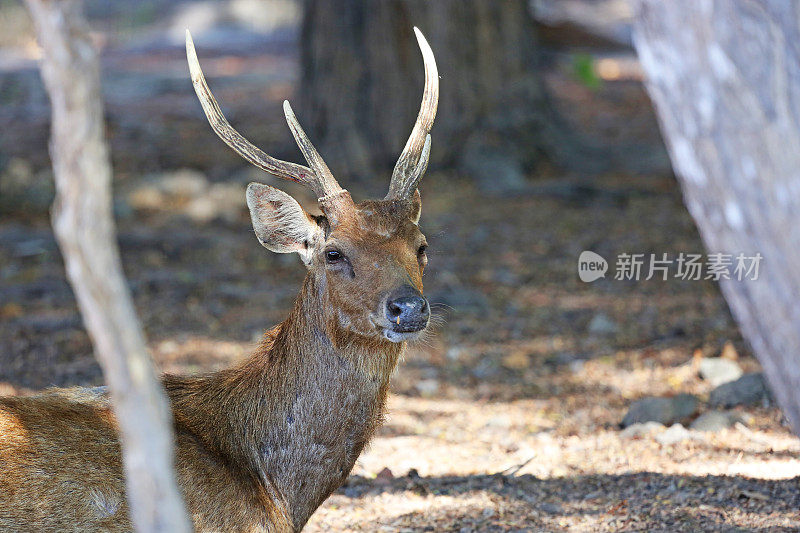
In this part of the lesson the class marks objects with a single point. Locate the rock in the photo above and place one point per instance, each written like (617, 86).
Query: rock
(636, 431)
(674, 434)
(716, 421)
(662, 410)
(189, 193)
(165, 190)
(385, 476)
(456, 353)
(750, 389)
(146, 197)
(717, 370)
(516, 360)
(427, 387)
(182, 183)
(202, 209)
(600, 324)
(577, 365)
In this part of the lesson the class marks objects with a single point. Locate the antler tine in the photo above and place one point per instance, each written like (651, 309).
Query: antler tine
(410, 161)
(243, 147)
(328, 184)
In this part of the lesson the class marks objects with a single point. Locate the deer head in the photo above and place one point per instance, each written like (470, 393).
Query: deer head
(366, 259)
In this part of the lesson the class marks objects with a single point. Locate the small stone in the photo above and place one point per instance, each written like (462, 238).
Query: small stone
(600, 324)
(384, 476)
(427, 387)
(182, 183)
(663, 410)
(577, 365)
(202, 209)
(516, 360)
(750, 389)
(718, 370)
(715, 421)
(673, 435)
(146, 197)
(455, 353)
(636, 431)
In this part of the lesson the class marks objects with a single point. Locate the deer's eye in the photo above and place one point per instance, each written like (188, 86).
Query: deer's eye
(422, 249)
(333, 256)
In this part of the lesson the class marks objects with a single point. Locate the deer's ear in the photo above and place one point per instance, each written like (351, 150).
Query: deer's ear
(416, 207)
(280, 223)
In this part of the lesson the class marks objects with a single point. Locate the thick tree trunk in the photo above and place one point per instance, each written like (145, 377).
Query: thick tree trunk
(362, 81)
(724, 76)
(84, 227)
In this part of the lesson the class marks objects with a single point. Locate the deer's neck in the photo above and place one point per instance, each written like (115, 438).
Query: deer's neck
(298, 412)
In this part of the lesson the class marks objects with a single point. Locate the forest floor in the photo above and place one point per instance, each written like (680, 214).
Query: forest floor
(507, 417)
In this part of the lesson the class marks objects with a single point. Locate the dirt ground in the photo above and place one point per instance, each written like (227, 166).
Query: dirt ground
(506, 417)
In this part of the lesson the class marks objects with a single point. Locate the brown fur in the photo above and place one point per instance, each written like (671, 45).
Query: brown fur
(259, 446)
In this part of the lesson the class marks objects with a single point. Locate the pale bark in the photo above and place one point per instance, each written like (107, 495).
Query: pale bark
(725, 78)
(84, 227)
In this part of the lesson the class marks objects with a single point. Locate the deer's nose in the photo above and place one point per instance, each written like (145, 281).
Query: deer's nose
(407, 310)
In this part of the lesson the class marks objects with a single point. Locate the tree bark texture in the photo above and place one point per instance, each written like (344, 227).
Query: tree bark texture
(84, 227)
(362, 82)
(725, 79)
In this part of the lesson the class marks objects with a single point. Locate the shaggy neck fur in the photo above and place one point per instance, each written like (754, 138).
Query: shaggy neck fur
(298, 412)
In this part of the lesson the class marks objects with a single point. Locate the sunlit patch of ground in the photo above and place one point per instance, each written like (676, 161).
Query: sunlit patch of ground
(501, 466)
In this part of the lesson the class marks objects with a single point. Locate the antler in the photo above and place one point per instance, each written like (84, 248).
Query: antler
(413, 161)
(318, 178)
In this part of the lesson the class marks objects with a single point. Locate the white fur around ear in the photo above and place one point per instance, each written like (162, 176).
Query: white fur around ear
(416, 207)
(280, 223)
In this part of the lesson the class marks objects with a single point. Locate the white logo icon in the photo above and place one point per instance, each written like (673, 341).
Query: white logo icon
(591, 266)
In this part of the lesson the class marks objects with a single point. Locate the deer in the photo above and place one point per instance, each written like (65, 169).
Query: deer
(259, 446)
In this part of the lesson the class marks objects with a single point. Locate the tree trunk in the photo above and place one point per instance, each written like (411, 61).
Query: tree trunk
(724, 79)
(362, 82)
(84, 227)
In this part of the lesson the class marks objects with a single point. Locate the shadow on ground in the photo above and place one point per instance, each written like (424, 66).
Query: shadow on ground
(583, 503)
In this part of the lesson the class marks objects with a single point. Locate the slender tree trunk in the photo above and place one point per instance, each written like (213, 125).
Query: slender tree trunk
(362, 82)
(84, 227)
(725, 78)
